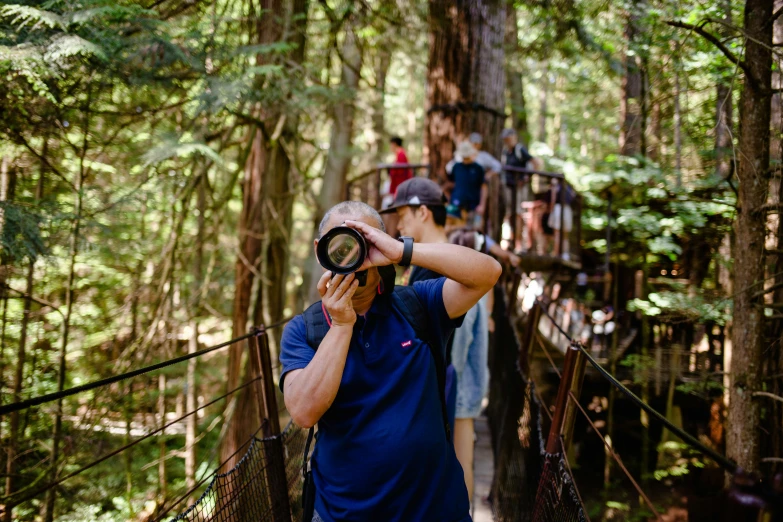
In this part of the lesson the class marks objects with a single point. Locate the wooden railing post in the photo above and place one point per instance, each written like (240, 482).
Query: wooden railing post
(568, 377)
(513, 214)
(574, 392)
(276, 479)
(526, 348)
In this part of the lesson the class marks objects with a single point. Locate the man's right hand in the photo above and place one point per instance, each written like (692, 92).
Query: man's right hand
(336, 294)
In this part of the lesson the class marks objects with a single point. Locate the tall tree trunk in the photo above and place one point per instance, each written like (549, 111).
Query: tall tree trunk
(631, 101)
(488, 72)
(66, 330)
(340, 144)
(742, 437)
(162, 482)
(677, 118)
(543, 102)
(448, 80)
(190, 379)
(21, 355)
(265, 185)
(516, 88)
(774, 359)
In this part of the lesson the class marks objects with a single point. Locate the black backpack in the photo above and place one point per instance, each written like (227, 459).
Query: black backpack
(406, 301)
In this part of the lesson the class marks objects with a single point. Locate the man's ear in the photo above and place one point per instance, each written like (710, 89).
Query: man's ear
(315, 247)
(424, 213)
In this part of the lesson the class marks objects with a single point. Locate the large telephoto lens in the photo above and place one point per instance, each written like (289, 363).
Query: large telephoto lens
(341, 250)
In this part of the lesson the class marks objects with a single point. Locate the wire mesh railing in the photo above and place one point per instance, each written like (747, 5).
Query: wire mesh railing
(248, 491)
(529, 483)
(92, 431)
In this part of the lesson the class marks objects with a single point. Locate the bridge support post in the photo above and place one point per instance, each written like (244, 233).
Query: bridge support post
(526, 348)
(563, 417)
(276, 479)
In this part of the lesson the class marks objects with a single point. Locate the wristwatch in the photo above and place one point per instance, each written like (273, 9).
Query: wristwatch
(407, 250)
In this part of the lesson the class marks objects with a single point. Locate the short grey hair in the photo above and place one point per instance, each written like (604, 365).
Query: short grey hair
(475, 138)
(507, 133)
(350, 208)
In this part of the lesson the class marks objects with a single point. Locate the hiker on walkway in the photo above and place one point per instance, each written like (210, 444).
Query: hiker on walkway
(470, 188)
(425, 221)
(398, 175)
(488, 162)
(371, 385)
(516, 155)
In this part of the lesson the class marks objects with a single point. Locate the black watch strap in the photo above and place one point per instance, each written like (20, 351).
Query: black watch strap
(407, 250)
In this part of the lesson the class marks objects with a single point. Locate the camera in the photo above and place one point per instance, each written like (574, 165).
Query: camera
(343, 250)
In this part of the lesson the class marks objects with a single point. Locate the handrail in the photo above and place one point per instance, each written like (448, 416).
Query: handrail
(521, 170)
(386, 166)
(5, 409)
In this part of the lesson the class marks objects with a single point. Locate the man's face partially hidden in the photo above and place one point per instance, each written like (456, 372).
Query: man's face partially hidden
(373, 278)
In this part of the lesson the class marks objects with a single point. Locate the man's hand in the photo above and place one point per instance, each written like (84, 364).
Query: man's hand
(336, 295)
(382, 248)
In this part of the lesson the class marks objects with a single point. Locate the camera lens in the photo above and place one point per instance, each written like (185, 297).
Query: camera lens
(344, 251)
(341, 250)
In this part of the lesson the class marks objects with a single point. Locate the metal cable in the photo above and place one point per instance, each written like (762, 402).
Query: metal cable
(692, 441)
(11, 502)
(56, 396)
(616, 457)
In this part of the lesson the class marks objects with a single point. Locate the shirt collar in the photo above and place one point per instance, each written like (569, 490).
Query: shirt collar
(381, 305)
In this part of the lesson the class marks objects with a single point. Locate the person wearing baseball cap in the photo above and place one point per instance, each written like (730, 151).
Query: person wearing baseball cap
(423, 214)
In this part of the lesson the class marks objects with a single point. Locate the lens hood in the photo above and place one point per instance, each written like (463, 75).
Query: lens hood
(342, 250)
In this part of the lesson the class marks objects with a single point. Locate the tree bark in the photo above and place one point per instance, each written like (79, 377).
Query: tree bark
(742, 437)
(190, 378)
(448, 80)
(265, 193)
(631, 101)
(21, 355)
(543, 103)
(66, 330)
(516, 88)
(488, 72)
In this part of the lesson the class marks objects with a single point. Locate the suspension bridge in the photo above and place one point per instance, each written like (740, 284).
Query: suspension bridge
(532, 478)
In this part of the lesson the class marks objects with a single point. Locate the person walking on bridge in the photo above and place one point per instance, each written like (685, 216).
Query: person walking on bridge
(371, 384)
(423, 216)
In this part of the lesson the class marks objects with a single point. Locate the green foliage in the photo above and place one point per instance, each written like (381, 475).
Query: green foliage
(21, 232)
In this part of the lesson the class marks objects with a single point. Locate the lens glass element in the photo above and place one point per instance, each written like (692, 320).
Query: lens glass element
(344, 251)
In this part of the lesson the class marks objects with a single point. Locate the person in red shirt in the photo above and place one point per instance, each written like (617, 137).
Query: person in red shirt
(398, 175)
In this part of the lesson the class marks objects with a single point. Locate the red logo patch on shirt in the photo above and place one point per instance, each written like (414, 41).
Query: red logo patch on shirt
(406, 344)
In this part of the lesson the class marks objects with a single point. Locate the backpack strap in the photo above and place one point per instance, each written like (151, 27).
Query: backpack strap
(316, 324)
(407, 302)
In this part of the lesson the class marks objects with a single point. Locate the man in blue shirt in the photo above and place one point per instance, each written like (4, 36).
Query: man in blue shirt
(382, 452)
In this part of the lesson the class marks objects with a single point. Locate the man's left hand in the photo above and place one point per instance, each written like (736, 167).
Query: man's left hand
(382, 248)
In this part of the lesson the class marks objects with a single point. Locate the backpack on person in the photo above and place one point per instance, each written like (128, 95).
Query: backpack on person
(405, 300)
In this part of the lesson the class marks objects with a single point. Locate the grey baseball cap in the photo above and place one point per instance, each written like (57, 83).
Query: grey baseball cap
(507, 133)
(475, 138)
(415, 192)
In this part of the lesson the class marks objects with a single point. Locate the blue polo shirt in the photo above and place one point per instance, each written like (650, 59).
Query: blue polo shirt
(381, 453)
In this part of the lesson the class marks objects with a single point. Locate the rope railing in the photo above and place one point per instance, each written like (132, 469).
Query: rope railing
(692, 441)
(55, 396)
